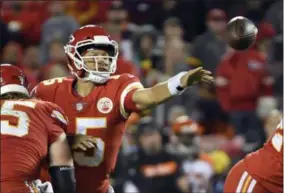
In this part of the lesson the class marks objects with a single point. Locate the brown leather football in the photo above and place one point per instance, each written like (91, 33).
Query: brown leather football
(241, 33)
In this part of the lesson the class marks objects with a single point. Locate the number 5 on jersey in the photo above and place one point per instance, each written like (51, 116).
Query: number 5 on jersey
(83, 125)
(22, 127)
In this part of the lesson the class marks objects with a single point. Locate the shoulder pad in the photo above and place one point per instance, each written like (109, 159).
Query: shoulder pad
(46, 89)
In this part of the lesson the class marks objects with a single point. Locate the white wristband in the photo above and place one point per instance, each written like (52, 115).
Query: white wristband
(174, 83)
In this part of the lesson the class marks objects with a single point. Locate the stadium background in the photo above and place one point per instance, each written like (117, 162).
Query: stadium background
(159, 38)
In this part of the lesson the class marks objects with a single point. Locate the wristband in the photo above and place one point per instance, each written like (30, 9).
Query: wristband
(174, 84)
(63, 179)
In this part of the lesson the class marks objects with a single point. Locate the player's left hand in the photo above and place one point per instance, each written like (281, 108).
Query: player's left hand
(196, 76)
(84, 142)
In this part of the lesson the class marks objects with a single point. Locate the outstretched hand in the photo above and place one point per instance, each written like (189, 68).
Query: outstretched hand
(195, 76)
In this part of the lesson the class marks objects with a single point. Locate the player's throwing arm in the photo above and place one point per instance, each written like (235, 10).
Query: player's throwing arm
(146, 98)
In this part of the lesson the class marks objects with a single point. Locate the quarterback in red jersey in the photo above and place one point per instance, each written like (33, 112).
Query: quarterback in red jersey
(260, 171)
(98, 104)
(30, 127)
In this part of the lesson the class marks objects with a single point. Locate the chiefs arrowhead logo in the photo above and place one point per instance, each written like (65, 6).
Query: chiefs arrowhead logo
(105, 105)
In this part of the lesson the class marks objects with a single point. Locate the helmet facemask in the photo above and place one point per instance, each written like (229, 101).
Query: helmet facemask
(97, 60)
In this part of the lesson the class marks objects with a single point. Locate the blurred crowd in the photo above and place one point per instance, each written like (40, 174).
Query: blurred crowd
(188, 144)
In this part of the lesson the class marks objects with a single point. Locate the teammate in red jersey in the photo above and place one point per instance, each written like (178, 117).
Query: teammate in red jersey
(260, 171)
(98, 104)
(30, 127)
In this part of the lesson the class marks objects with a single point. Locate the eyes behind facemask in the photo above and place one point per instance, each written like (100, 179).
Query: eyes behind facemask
(98, 59)
(98, 63)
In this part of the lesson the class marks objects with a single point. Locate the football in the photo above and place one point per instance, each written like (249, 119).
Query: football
(241, 33)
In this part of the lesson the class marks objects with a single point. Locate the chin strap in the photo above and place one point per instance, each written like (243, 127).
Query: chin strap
(98, 79)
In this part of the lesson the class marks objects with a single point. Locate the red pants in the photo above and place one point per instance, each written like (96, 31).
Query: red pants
(240, 181)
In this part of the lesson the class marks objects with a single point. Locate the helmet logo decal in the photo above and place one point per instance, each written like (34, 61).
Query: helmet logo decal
(71, 39)
(21, 79)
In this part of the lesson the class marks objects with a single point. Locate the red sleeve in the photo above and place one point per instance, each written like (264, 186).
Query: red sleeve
(56, 121)
(129, 83)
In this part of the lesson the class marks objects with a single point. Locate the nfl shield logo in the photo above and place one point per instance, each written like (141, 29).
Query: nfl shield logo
(79, 106)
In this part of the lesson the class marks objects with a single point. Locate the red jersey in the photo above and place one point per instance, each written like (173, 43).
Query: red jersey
(101, 114)
(267, 162)
(28, 127)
